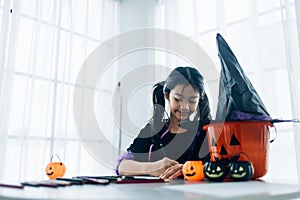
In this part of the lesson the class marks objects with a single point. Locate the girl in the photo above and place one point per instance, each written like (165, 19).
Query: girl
(163, 146)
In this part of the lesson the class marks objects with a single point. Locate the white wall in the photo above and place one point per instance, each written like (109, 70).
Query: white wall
(135, 14)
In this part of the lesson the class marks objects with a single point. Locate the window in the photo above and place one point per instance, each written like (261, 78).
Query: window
(45, 44)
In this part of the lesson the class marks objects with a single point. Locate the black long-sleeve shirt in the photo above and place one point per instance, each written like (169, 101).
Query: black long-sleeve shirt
(190, 145)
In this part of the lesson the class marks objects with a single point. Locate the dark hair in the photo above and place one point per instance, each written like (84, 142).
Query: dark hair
(180, 75)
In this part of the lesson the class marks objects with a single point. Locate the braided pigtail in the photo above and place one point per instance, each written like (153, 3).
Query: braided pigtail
(204, 109)
(158, 107)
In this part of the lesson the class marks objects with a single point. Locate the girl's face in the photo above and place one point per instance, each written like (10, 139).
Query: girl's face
(183, 101)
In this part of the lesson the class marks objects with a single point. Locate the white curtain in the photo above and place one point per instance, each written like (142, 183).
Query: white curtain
(263, 36)
(43, 45)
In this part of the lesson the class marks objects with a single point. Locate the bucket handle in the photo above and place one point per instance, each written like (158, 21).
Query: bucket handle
(279, 121)
(57, 156)
(272, 140)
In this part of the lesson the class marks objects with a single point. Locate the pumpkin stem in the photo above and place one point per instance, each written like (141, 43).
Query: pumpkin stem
(236, 156)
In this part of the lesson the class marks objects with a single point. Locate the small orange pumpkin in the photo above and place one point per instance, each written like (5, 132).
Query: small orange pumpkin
(55, 169)
(193, 170)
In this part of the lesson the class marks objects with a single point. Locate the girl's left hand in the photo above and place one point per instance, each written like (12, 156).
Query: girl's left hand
(172, 172)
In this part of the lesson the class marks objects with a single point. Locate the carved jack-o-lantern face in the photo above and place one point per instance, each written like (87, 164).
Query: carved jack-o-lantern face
(55, 170)
(226, 150)
(240, 170)
(193, 170)
(215, 170)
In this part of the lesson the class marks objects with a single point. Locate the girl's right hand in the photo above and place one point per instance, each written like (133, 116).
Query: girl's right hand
(159, 167)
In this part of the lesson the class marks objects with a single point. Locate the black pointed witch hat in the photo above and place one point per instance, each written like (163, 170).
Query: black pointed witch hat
(238, 100)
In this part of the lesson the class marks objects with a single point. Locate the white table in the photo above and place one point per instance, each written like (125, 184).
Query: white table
(178, 189)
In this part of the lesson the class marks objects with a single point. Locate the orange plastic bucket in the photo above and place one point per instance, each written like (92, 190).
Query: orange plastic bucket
(250, 138)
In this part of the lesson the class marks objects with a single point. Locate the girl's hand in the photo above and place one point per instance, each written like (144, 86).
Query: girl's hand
(159, 167)
(172, 172)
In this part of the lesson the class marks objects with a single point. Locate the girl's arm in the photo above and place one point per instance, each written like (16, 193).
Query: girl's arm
(131, 167)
